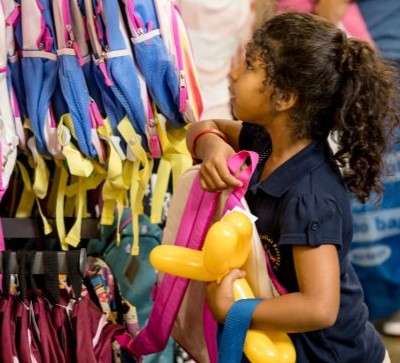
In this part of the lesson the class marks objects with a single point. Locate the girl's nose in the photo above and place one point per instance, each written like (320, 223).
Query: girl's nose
(234, 73)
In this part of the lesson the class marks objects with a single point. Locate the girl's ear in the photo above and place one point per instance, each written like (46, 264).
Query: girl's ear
(284, 101)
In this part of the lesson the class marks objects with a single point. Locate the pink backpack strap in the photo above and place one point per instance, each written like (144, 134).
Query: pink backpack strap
(2, 190)
(2, 248)
(235, 165)
(2, 243)
(199, 209)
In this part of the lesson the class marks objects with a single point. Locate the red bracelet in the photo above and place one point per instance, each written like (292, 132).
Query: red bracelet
(203, 132)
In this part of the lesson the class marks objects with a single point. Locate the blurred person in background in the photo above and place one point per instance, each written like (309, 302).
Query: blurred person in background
(219, 30)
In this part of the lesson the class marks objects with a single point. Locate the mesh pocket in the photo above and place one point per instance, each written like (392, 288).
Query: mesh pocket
(127, 90)
(89, 70)
(76, 95)
(40, 77)
(161, 77)
(18, 85)
(112, 107)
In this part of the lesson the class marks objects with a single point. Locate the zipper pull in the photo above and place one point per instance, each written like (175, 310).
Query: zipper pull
(155, 142)
(72, 43)
(183, 93)
(104, 71)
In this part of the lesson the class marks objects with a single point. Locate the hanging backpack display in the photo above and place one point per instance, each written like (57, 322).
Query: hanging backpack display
(72, 80)
(176, 38)
(40, 66)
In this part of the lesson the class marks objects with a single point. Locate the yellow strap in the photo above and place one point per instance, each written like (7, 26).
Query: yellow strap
(46, 225)
(86, 176)
(175, 160)
(121, 198)
(67, 120)
(41, 178)
(140, 177)
(79, 189)
(69, 206)
(179, 163)
(76, 201)
(78, 164)
(115, 187)
(27, 200)
(172, 140)
(74, 235)
(111, 197)
(41, 174)
(159, 191)
(60, 224)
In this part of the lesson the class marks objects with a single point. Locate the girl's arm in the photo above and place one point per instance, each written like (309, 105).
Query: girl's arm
(332, 10)
(315, 307)
(214, 151)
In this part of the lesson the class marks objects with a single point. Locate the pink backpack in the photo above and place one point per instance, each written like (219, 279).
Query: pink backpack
(179, 305)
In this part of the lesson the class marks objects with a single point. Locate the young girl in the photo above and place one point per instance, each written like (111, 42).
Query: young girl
(303, 79)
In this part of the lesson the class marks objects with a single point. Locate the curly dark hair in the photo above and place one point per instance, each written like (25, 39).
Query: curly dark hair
(342, 85)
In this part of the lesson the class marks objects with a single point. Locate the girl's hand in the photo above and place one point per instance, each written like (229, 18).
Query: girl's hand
(220, 296)
(214, 151)
(214, 172)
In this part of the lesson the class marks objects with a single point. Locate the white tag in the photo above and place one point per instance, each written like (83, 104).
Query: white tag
(130, 155)
(115, 140)
(247, 213)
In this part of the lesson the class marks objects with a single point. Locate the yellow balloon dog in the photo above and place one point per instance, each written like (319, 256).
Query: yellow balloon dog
(226, 246)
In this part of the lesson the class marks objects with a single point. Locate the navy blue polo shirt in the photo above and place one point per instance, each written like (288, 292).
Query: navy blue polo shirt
(305, 202)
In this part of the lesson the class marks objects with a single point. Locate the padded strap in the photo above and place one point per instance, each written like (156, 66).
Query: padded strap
(27, 199)
(174, 161)
(6, 273)
(73, 237)
(2, 247)
(196, 219)
(115, 187)
(22, 273)
(236, 326)
(242, 165)
(50, 267)
(74, 271)
(139, 178)
(60, 202)
(163, 173)
(30, 259)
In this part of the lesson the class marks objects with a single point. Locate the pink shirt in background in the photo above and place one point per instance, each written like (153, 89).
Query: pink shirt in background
(218, 29)
(352, 21)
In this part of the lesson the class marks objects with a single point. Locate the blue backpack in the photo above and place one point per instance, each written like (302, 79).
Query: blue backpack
(153, 59)
(40, 66)
(116, 73)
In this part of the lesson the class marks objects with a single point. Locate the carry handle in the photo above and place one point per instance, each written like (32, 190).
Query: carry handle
(235, 166)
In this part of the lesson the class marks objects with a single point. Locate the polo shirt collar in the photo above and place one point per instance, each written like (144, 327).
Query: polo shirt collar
(288, 173)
